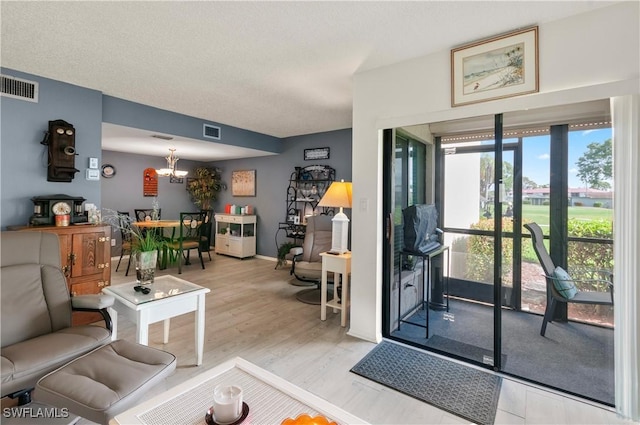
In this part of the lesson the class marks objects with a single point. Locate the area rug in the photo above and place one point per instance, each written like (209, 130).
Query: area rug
(461, 390)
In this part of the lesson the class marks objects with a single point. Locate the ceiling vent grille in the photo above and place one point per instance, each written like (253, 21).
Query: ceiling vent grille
(211, 132)
(18, 88)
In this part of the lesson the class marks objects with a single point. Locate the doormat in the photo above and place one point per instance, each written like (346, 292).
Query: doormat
(462, 349)
(461, 390)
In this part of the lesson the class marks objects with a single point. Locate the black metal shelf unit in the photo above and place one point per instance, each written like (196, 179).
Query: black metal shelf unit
(307, 186)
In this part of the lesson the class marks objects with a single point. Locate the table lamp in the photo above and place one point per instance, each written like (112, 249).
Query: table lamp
(338, 195)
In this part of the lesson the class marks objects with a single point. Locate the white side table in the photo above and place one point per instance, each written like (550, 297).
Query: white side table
(340, 265)
(169, 297)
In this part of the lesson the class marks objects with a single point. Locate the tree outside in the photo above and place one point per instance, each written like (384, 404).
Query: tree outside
(595, 166)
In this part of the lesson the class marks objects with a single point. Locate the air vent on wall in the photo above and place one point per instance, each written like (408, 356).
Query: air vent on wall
(18, 88)
(211, 132)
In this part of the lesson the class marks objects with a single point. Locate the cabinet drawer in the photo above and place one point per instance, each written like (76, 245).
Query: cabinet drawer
(91, 287)
(232, 219)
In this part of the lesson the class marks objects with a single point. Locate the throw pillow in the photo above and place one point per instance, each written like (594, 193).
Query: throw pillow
(563, 283)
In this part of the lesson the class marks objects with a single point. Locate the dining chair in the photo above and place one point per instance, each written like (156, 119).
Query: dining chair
(148, 214)
(205, 232)
(124, 224)
(189, 237)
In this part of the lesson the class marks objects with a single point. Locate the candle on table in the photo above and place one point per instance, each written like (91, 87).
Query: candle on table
(227, 403)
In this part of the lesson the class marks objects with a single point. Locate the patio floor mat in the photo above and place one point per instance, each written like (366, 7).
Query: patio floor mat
(461, 390)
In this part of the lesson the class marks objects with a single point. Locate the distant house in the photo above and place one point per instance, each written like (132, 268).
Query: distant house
(536, 196)
(577, 196)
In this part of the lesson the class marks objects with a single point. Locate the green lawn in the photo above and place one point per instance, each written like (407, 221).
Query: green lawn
(540, 214)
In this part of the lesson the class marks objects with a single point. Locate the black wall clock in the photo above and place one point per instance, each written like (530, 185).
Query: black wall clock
(108, 171)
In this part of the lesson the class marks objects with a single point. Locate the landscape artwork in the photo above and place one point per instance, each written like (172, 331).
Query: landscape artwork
(499, 67)
(243, 183)
(495, 69)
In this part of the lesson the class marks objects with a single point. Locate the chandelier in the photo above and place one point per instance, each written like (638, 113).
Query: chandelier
(172, 162)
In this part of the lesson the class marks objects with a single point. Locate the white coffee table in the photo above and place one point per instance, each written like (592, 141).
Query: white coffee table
(169, 297)
(271, 399)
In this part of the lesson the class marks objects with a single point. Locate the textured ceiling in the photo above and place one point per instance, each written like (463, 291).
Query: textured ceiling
(279, 68)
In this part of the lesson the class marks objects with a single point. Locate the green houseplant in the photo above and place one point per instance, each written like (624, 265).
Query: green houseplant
(144, 245)
(204, 187)
(283, 251)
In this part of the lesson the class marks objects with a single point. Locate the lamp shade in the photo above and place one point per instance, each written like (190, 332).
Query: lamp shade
(338, 195)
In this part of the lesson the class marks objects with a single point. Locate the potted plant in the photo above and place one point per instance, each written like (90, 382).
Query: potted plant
(205, 186)
(203, 190)
(283, 251)
(144, 249)
(145, 245)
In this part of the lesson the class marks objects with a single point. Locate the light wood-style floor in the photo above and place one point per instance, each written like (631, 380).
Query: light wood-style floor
(252, 312)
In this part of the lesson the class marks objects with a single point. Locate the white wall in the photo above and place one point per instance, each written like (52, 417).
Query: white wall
(586, 57)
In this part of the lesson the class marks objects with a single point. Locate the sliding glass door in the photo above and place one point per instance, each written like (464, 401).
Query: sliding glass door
(405, 174)
(482, 298)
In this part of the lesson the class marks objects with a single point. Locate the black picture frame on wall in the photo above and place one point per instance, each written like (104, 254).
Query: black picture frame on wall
(316, 153)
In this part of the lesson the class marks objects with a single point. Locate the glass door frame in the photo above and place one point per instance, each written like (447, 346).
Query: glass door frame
(388, 138)
(420, 192)
(516, 148)
(558, 168)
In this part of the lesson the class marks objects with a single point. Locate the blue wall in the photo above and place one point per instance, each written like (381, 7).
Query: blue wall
(23, 159)
(24, 169)
(272, 180)
(123, 192)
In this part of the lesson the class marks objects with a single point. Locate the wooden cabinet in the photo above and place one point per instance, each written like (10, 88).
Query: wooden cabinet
(236, 235)
(85, 254)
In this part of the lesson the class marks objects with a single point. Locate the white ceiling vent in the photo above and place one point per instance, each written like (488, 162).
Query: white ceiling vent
(18, 88)
(211, 132)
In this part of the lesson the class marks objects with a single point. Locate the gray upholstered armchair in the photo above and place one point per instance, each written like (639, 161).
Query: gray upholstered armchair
(307, 263)
(37, 336)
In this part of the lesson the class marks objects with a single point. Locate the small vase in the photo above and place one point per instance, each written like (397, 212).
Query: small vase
(145, 266)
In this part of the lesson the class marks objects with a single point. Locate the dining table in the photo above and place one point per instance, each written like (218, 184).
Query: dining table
(160, 224)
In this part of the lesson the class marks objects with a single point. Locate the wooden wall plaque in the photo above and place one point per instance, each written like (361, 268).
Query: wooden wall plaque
(150, 182)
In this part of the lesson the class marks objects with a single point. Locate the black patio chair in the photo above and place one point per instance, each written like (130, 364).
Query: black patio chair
(559, 282)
